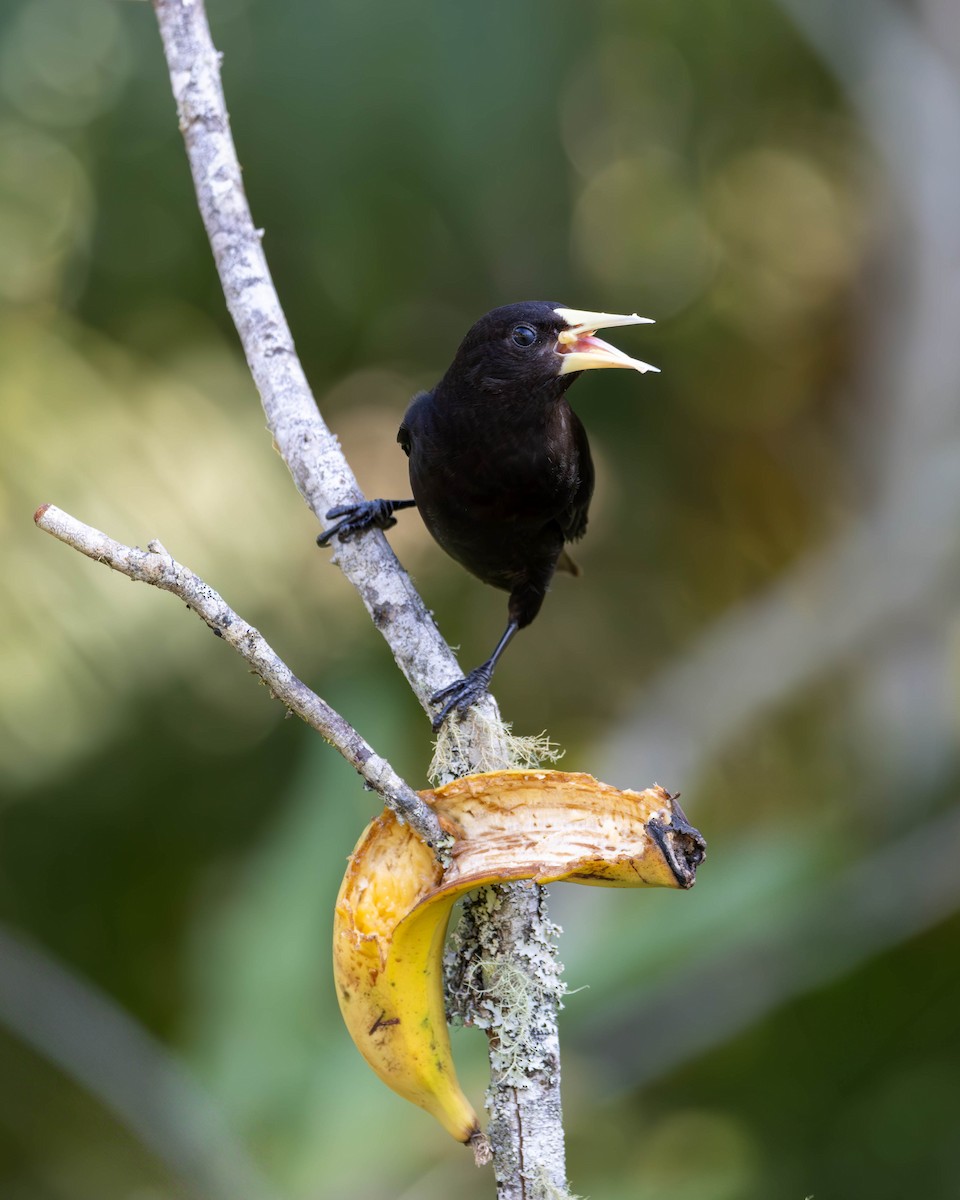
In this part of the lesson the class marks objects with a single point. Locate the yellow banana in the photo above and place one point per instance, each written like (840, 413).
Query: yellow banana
(395, 901)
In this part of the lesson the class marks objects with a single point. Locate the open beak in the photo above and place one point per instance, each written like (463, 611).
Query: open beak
(581, 350)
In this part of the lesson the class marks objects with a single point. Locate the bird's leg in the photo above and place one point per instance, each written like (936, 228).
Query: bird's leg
(460, 694)
(368, 514)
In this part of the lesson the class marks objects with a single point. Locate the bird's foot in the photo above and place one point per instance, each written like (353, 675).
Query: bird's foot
(355, 518)
(461, 694)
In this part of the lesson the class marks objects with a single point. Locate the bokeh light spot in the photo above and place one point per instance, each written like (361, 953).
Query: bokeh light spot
(639, 233)
(64, 63)
(46, 210)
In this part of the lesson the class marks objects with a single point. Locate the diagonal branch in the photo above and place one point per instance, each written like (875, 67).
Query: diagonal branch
(129, 1071)
(155, 566)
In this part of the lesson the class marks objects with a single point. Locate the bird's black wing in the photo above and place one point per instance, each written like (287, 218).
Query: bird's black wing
(573, 520)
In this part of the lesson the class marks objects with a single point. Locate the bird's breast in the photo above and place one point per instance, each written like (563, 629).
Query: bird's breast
(491, 490)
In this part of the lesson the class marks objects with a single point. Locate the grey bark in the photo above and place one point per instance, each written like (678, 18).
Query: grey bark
(525, 1115)
(155, 566)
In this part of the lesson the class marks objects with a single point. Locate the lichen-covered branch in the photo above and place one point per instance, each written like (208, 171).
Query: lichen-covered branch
(155, 566)
(324, 478)
(505, 978)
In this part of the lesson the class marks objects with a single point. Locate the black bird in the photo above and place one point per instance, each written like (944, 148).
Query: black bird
(500, 465)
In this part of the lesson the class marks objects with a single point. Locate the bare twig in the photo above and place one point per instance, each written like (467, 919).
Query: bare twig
(155, 566)
(525, 1112)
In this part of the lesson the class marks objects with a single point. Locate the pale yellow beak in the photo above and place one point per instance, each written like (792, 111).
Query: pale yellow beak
(582, 351)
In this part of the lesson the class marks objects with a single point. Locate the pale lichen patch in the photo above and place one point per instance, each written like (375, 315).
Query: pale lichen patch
(491, 746)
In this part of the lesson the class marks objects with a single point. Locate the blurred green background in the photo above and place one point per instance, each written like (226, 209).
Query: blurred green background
(768, 619)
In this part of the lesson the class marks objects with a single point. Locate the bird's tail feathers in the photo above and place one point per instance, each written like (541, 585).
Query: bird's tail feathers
(566, 563)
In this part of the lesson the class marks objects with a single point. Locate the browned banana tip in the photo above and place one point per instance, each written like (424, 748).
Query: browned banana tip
(480, 1145)
(683, 846)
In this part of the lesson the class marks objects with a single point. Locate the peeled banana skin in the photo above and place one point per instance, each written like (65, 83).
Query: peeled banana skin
(395, 901)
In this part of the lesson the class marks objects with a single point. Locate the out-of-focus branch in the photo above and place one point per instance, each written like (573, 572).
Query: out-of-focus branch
(875, 904)
(155, 566)
(892, 562)
(529, 1134)
(94, 1042)
(766, 649)
(897, 73)
(863, 594)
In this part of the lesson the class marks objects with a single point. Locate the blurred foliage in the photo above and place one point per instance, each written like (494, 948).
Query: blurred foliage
(170, 846)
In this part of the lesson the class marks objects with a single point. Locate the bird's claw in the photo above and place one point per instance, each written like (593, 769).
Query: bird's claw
(368, 514)
(461, 694)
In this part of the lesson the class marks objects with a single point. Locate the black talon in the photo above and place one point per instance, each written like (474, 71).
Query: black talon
(368, 514)
(461, 694)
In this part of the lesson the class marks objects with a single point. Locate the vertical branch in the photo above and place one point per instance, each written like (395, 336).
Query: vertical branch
(311, 452)
(525, 1114)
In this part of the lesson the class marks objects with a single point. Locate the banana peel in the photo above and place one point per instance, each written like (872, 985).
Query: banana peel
(395, 901)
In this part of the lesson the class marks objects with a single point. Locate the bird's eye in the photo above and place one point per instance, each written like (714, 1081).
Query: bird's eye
(523, 335)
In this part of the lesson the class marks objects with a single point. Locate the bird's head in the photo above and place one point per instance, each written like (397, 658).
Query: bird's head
(538, 345)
